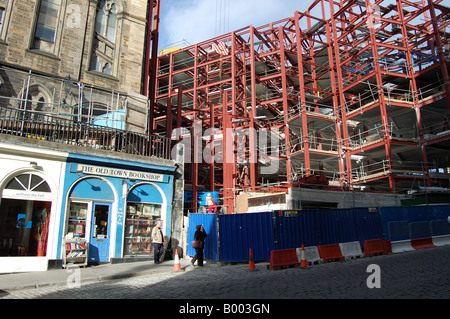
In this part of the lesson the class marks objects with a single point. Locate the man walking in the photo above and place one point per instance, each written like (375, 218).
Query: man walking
(158, 241)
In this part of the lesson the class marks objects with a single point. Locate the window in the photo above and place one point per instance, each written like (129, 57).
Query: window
(107, 69)
(103, 52)
(47, 20)
(140, 220)
(2, 14)
(28, 182)
(24, 223)
(105, 23)
(95, 63)
(36, 107)
(77, 219)
(111, 27)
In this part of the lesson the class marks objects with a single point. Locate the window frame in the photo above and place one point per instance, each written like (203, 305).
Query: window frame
(7, 9)
(105, 65)
(43, 15)
(2, 18)
(42, 45)
(109, 7)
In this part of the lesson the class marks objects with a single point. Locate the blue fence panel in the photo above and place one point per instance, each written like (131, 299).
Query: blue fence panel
(368, 224)
(418, 214)
(326, 226)
(209, 222)
(336, 226)
(263, 232)
(296, 227)
(439, 212)
(240, 232)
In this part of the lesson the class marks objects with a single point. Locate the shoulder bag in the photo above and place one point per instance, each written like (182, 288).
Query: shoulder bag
(197, 244)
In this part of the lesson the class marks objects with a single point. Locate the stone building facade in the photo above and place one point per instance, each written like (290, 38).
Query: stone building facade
(78, 59)
(96, 42)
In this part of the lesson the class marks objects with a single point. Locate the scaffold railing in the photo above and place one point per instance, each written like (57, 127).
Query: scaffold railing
(369, 171)
(32, 125)
(66, 98)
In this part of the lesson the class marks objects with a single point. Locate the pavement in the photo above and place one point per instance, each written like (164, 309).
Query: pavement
(418, 274)
(61, 277)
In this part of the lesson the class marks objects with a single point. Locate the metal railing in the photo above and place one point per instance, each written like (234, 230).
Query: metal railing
(55, 129)
(365, 171)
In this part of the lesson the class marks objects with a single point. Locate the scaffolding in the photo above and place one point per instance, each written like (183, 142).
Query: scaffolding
(74, 113)
(349, 95)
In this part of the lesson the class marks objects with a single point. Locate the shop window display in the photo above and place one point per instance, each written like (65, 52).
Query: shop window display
(24, 227)
(24, 224)
(76, 227)
(140, 220)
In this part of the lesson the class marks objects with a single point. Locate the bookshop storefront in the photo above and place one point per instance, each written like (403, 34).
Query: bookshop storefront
(113, 209)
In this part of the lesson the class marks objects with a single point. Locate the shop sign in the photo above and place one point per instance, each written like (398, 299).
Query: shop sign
(26, 195)
(120, 173)
(291, 214)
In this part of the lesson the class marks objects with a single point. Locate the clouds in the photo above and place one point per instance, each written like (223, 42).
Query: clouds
(199, 20)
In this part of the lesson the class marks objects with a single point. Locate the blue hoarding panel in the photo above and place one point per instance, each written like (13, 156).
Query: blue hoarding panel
(240, 232)
(439, 212)
(368, 224)
(263, 232)
(294, 228)
(326, 226)
(418, 214)
(336, 226)
(209, 222)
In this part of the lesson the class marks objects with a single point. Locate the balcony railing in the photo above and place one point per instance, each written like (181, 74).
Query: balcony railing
(46, 127)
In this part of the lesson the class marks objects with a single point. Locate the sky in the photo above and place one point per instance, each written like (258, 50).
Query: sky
(195, 21)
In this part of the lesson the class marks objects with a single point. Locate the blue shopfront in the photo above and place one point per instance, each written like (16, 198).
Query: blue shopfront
(114, 204)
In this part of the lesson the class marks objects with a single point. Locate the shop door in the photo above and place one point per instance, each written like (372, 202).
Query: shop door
(100, 233)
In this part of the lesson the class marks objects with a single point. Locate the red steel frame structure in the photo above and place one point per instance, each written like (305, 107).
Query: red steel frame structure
(354, 95)
(151, 51)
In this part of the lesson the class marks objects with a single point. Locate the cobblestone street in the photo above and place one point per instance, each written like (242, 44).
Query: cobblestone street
(417, 274)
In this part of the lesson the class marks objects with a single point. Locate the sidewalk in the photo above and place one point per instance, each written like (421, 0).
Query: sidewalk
(59, 277)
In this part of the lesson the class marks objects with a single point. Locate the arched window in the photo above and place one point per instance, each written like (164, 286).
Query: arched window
(107, 69)
(25, 216)
(37, 104)
(28, 182)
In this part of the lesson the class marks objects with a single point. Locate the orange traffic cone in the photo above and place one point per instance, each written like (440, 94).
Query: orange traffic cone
(251, 262)
(176, 266)
(303, 261)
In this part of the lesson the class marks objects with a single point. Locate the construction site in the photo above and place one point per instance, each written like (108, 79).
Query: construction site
(340, 110)
(342, 105)
(349, 98)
